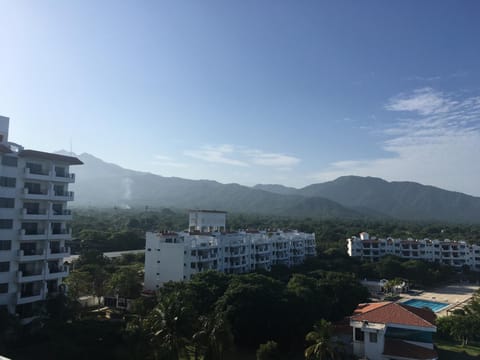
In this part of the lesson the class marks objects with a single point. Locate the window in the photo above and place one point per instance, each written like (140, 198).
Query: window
(9, 161)
(358, 334)
(6, 223)
(7, 203)
(4, 288)
(5, 266)
(5, 245)
(373, 337)
(8, 181)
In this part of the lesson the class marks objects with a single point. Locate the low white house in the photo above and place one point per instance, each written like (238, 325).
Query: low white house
(176, 256)
(388, 330)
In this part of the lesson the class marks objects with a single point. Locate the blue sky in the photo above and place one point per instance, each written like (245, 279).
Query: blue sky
(289, 92)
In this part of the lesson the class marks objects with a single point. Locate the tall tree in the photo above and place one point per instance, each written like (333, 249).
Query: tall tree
(322, 347)
(169, 327)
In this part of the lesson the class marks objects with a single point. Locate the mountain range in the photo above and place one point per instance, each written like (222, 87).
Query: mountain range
(103, 184)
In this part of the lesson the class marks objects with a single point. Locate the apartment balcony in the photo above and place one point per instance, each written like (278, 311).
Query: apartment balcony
(55, 273)
(36, 195)
(237, 265)
(26, 297)
(63, 195)
(297, 254)
(262, 259)
(236, 244)
(58, 253)
(208, 266)
(63, 177)
(63, 215)
(61, 234)
(262, 250)
(261, 241)
(38, 215)
(30, 255)
(236, 253)
(29, 276)
(40, 234)
(42, 174)
(282, 256)
(207, 257)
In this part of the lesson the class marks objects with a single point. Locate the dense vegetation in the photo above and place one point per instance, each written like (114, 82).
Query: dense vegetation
(119, 229)
(282, 314)
(210, 317)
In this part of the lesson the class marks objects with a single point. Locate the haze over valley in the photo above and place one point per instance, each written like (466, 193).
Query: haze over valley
(102, 184)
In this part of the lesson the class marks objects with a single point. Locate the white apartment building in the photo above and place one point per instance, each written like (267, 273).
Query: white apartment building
(33, 224)
(176, 256)
(454, 253)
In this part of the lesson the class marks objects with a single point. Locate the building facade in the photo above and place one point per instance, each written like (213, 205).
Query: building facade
(176, 256)
(34, 220)
(454, 253)
(387, 330)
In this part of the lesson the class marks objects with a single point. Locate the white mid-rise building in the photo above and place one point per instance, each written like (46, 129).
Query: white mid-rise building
(176, 256)
(33, 223)
(454, 253)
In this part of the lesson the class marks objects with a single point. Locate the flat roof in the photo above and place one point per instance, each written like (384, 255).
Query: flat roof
(50, 156)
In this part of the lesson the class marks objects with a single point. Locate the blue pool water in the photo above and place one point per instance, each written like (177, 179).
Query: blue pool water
(434, 305)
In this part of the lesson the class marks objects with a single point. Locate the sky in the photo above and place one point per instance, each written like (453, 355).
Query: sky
(251, 91)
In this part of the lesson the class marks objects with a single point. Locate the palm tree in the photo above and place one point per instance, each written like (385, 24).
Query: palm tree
(213, 338)
(322, 347)
(167, 326)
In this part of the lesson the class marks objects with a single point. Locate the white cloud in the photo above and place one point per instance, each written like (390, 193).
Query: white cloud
(425, 101)
(163, 160)
(439, 145)
(240, 156)
(280, 161)
(221, 154)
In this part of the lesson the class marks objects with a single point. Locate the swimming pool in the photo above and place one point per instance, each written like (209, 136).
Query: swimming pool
(434, 305)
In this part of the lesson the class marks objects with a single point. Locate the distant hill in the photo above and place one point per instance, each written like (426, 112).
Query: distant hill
(277, 189)
(401, 200)
(103, 184)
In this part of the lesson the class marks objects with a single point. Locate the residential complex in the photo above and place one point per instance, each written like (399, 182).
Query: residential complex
(454, 253)
(206, 246)
(387, 330)
(33, 224)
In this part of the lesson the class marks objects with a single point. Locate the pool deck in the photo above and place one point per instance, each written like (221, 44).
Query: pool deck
(454, 295)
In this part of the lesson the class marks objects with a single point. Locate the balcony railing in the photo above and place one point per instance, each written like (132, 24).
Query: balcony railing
(29, 275)
(67, 195)
(59, 250)
(61, 212)
(35, 193)
(27, 234)
(66, 176)
(30, 252)
(29, 172)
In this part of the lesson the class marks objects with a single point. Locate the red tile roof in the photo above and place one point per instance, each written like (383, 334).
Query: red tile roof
(394, 313)
(399, 348)
(363, 308)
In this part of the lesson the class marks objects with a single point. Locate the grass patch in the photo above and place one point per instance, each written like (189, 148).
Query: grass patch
(449, 350)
